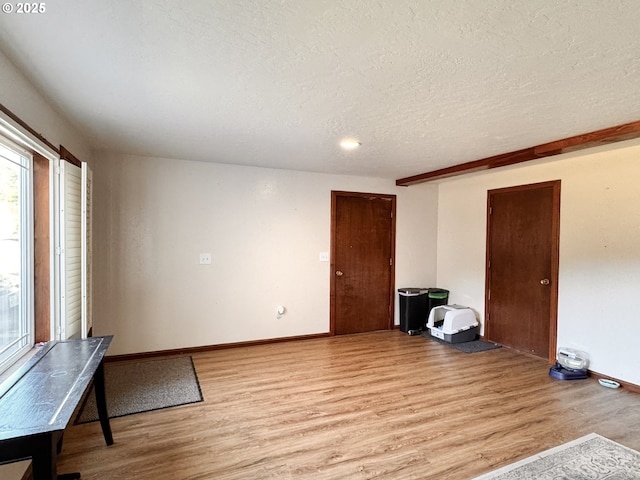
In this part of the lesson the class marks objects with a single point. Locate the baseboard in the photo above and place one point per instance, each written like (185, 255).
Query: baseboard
(209, 348)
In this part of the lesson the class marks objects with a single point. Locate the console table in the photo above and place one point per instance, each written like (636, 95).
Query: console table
(38, 401)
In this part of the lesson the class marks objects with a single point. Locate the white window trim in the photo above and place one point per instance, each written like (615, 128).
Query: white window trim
(26, 227)
(18, 134)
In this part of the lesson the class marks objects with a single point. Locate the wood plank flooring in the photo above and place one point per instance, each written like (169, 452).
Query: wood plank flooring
(380, 405)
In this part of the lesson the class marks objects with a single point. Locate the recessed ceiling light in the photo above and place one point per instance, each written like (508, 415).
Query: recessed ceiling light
(350, 144)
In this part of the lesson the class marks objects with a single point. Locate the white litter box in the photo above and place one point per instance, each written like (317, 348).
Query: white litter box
(453, 323)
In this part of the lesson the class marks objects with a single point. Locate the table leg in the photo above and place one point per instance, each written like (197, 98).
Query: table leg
(44, 457)
(101, 403)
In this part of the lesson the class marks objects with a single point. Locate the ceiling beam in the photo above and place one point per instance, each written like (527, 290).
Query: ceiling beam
(605, 136)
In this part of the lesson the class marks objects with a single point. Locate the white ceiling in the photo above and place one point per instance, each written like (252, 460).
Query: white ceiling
(277, 83)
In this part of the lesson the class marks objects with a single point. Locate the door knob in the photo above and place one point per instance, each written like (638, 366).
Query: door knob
(545, 281)
(339, 273)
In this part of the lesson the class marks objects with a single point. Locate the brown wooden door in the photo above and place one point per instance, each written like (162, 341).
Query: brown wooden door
(362, 246)
(522, 267)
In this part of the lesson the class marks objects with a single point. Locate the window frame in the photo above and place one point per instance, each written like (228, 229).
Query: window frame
(26, 239)
(19, 134)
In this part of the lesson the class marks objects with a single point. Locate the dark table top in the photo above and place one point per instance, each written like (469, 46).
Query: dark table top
(43, 394)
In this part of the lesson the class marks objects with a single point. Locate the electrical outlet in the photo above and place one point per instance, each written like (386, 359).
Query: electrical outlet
(324, 256)
(205, 259)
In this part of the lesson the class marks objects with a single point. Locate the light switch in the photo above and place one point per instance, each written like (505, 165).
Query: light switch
(324, 256)
(205, 259)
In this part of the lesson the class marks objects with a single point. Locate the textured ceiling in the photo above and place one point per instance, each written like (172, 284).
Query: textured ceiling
(422, 84)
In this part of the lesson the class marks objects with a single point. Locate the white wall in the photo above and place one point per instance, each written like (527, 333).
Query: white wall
(599, 275)
(264, 229)
(24, 100)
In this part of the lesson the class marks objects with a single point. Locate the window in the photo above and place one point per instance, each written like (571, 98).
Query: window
(16, 271)
(40, 298)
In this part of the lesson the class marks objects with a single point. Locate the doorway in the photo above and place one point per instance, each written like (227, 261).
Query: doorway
(362, 262)
(521, 293)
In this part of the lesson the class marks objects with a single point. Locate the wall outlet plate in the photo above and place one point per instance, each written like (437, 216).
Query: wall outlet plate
(324, 256)
(205, 259)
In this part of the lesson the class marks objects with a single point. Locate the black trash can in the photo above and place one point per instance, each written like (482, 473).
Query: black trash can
(437, 297)
(414, 304)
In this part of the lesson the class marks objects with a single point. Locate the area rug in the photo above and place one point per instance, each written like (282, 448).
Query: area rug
(591, 457)
(142, 386)
(473, 346)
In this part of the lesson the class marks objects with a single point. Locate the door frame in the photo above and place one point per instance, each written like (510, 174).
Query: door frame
(555, 259)
(392, 278)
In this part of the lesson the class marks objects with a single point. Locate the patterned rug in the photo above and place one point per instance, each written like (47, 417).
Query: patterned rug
(141, 386)
(591, 457)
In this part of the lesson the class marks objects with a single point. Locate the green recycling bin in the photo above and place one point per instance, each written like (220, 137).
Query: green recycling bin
(436, 297)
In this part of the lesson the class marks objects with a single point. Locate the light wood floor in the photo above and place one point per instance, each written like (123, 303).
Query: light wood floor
(381, 405)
